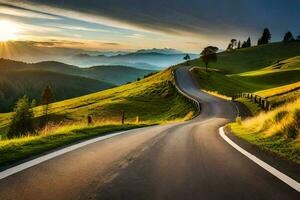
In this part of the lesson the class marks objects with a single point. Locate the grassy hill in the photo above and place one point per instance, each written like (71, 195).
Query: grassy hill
(154, 100)
(284, 72)
(17, 83)
(249, 59)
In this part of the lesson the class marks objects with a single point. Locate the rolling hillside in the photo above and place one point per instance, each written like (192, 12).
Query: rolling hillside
(154, 100)
(254, 58)
(254, 76)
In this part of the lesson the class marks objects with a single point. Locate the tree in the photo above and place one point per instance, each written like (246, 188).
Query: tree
(209, 54)
(239, 44)
(265, 38)
(187, 58)
(229, 47)
(288, 37)
(47, 98)
(22, 119)
(244, 45)
(248, 43)
(232, 44)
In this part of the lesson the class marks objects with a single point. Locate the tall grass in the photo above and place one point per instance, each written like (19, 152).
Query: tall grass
(280, 121)
(277, 131)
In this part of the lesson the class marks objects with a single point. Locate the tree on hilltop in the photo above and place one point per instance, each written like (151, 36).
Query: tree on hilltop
(265, 38)
(248, 42)
(187, 58)
(288, 37)
(209, 54)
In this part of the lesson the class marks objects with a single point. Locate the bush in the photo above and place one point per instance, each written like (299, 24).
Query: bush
(22, 119)
(238, 120)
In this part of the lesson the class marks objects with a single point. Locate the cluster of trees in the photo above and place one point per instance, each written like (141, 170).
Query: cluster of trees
(209, 54)
(234, 44)
(265, 38)
(22, 122)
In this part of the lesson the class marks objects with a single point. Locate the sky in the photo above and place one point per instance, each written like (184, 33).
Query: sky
(122, 25)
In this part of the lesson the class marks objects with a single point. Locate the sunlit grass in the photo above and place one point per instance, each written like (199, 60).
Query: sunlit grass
(54, 136)
(277, 130)
(153, 99)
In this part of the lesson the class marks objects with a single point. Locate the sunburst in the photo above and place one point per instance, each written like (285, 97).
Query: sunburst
(9, 30)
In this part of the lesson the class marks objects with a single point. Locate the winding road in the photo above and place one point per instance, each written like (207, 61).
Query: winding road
(183, 161)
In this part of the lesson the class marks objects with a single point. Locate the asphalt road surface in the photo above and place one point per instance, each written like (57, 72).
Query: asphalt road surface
(179, 161)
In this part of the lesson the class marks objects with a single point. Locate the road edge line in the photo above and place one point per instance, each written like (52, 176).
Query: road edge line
(281, 176)
(41, 159)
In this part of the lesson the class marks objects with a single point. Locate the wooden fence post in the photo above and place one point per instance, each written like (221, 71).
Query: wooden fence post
(123, 117)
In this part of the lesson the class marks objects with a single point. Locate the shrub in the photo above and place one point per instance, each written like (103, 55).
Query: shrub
(22, 119)
(238, 120)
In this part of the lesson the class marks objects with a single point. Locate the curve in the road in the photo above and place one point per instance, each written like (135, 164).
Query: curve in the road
(188, 160)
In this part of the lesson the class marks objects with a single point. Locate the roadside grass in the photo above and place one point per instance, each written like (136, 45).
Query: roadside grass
(154, 99)
(277, 131)
(55, 136)
(254, 58)
(253, 107)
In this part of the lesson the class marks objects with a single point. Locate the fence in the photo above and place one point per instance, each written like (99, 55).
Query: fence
(260, 101)
(187, 97)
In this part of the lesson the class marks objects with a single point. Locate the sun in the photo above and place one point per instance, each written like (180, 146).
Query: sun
(8, 30)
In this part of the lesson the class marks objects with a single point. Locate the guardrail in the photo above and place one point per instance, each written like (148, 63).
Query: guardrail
(186, 96)
(260, 101)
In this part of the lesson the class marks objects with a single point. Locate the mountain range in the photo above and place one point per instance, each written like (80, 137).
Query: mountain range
(32, 51)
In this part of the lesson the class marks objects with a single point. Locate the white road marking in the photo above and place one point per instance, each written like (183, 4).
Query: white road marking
(31, 163)
(289, 181)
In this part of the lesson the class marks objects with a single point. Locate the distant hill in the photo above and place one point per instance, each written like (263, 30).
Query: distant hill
(116, 75)
(31, 82)
(162, 51)
(248, 59)
(156, 59)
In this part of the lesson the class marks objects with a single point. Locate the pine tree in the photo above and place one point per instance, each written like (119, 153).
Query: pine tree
(22, 119)
(265, 38)
(239, 44)
(47, 98)
(248, 43)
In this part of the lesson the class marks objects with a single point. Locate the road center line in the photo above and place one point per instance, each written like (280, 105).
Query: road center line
(286, 179)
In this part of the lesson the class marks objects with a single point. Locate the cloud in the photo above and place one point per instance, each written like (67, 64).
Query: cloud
(20, 12)
(77, 28)
(203, 17)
